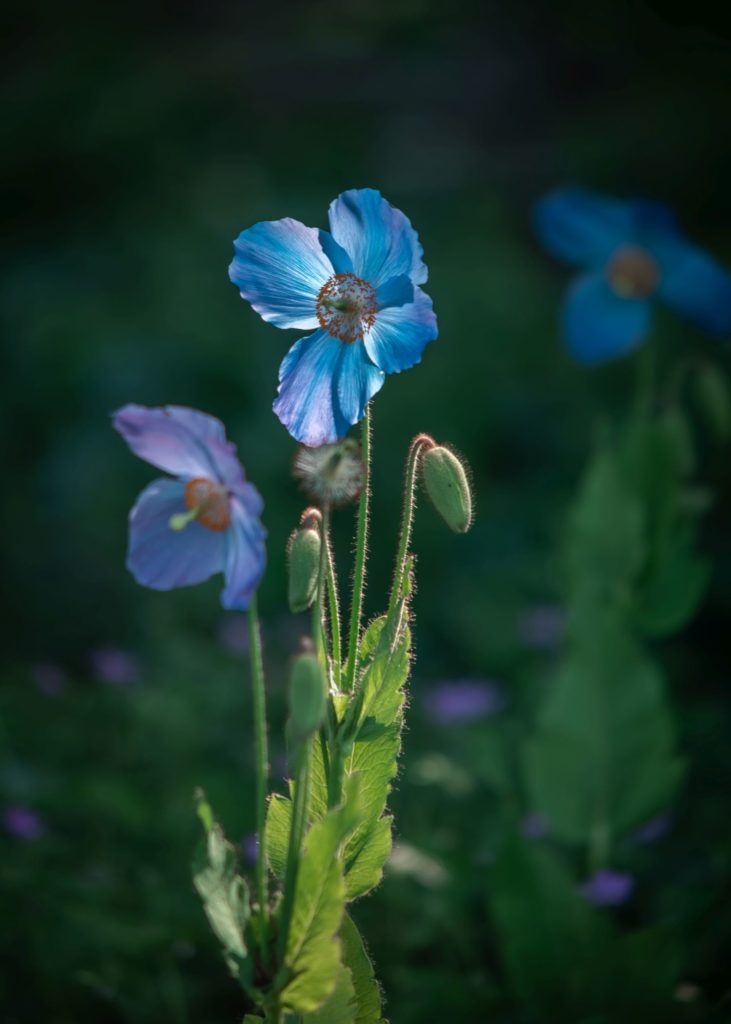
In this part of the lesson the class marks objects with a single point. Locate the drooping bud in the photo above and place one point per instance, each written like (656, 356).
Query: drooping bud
(332, 474)
(448, 486)
(713, 397)
(307, 697)
(303, 557)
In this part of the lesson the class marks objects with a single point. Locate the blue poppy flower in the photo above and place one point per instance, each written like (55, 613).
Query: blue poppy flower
(357, 288)
(632, 253)
(205, 521)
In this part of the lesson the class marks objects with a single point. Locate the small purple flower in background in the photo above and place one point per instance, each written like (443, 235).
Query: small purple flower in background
(206, 521)
(542, 626)
(249, 847)
(23, 823)
(463, 700)
(632, 252)
(49, 679)
(607, 888)
(233, 634)
(357, 287)
(113, 665)
(651, 831)
(534, 825)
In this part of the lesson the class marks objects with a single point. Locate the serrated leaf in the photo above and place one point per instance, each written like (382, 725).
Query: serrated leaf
(340, 1007)
(603, 751)
(223, 891)
(278, 823)
(313, 955)
(356, 959)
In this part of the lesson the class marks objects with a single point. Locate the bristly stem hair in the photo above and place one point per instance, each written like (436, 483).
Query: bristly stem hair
(420, 443)
(361, 551)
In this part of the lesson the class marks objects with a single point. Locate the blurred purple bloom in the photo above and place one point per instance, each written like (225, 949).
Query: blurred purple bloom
(534, 825)
(233, 634)
(607, 888)
(249, 847)
(652, 830)
(49, 678)
(113, 665)
(23, 823)
(205, 521)
(463, 700)
(543, 626)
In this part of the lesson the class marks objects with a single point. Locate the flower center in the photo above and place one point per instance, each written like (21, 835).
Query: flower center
(208, 502)
(632, 272)
(346, 307)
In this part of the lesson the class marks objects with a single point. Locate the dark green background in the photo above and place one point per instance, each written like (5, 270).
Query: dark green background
(139, 139)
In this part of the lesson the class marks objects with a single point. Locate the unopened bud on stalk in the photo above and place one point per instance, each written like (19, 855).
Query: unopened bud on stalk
(303, 556)
(712, 393)
(307, 697)
(448, 487)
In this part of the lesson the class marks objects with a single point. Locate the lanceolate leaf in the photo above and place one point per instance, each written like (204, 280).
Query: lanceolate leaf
(313, 954)
(223, 891)
(355, 958)
(340, 1007)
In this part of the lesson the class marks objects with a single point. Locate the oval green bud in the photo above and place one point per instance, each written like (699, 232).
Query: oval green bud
(712, 393)
(307, 697)
(304, 567)
(448, 487)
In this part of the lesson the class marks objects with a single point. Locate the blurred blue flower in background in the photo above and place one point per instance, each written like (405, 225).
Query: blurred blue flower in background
(23, 822)
(207, 520)
(115, 666)
(357, 287)
(632, 253)
(607, 888)
(463, 700)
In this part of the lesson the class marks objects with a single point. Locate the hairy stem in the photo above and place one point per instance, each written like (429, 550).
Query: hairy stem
(417, 446)
(361, 551)
(262, 765)
(296, 833)
(332, 593)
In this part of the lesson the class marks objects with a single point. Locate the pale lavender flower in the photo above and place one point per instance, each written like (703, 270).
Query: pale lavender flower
(534, 825)
(49, 678)
(463, 700)
(113, 665)
(607, 888)
(249, 847)
(23, 822)
(651, 831)
(542, 626)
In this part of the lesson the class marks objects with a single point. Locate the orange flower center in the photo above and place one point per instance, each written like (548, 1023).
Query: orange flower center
(632, 272)
(346, 307)
(209, 501)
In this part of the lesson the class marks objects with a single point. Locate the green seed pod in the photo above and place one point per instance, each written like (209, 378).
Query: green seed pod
(446, 483)
(712, 393)
(303, 553)
(306, 697)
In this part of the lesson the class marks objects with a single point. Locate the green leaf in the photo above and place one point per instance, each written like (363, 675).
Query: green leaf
(278, 823)
(313, 955)
(340, 1007)
(223, 891)
(602, 756)
(356, 959)
(674, 590)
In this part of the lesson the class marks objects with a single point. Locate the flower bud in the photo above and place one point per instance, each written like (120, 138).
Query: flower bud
(306, 697)
(303, 555)
(446, 483)
(713, 398)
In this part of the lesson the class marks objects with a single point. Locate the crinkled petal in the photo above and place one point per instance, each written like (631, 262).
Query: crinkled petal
(245, 557)
(162, 558)
(692, 283)
(584, 227)
(598, 325)
(174, 438)
(400, 334)
(378, 238)
(279, 266)
(312, 391)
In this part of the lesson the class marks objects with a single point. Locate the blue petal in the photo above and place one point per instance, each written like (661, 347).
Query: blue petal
(598, 325)
(401, 333)
(280, 267)
(245, 557)
(176, 439)
(584, 227)
(324, 386)
(162, 558)
(396, 291)
(378, 238)
(692, 283)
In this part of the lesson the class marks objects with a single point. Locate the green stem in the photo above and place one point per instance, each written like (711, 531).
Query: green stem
(420, 442)
(296, 832)
(645, 381)
(262, 765)
(361, 551)
(332, 593)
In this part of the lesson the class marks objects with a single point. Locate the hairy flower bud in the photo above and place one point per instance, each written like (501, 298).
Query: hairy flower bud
(303, 558)
(332, 474)
(712, 393)
(307, 697)
(448, 487)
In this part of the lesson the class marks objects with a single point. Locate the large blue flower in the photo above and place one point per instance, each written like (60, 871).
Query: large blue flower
(632, 252)
(182, 531)
(357, 287)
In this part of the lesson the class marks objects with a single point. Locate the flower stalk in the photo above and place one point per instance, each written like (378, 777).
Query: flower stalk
(262, 765)
(361, 552)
